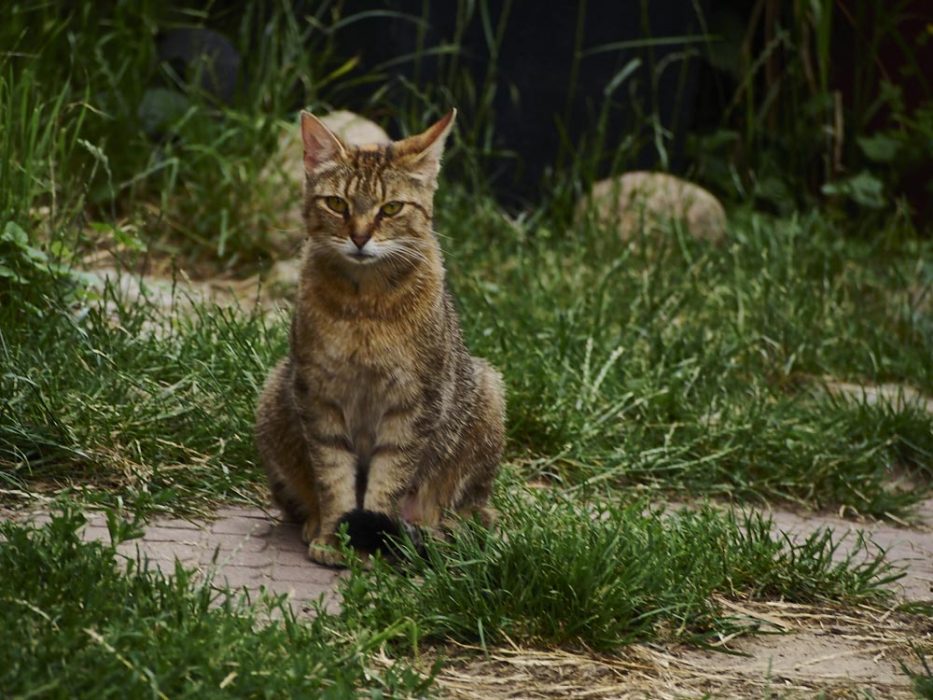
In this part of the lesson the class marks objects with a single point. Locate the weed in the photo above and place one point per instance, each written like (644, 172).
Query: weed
(81, 620)
(590, 573)
(664, 363)
(922, 679)
(133, 397)
(670, 361)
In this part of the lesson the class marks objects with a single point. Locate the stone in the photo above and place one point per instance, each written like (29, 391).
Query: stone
(900, 397)
(281, 281)
(354, 129)
(635, 200)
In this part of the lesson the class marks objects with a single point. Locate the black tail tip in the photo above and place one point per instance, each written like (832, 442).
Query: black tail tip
(372, 532)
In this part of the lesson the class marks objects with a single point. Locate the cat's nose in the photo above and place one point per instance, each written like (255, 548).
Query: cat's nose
(360, 238)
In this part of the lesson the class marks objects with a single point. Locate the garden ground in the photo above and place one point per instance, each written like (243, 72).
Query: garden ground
(801, 648)
(675, 404)
(629, 591)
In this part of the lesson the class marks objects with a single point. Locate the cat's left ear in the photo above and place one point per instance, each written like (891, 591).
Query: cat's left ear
(421, 154)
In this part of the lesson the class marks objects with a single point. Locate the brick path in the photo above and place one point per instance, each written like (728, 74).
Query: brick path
(242, 548)
(247, 548)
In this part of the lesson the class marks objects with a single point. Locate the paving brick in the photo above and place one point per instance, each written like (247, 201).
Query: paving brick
(179, 524)
(245, 548)
(294, 574)
(244, 543)
(245, 513)
(238, 576)
(169, 551)
(96, 519)
(309, 573)
(167, 566)
(95, 533)
(36, 518)
(290, 540)
(331, 603)
(294, 553)
(310, 594)
(156, 533)
(239, 526)
(251, 549)
(253, 560)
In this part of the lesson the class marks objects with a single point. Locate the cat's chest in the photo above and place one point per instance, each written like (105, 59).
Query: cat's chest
(375, 405)
(366, 392)
(370, 376)
(370, 345)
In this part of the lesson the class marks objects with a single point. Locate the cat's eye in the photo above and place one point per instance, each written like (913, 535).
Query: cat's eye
(336, 204)
(391, 208)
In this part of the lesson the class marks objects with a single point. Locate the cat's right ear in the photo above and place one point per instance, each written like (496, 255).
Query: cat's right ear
(320, 144)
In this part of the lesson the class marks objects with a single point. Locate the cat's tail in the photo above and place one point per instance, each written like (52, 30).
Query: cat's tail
(372, 532)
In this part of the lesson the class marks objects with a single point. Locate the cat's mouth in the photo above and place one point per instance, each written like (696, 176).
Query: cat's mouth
(362, 257)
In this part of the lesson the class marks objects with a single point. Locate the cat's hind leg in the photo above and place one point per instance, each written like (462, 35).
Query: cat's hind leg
(461, 488)
(481, 452)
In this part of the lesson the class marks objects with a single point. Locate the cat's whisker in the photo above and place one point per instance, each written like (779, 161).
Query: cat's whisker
(408, 250)
(405, 254)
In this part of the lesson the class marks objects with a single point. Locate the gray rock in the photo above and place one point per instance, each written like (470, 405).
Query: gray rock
(354, 129)
(652, 201)
(898, 396)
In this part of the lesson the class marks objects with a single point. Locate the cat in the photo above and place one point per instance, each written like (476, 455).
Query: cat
(378, 416)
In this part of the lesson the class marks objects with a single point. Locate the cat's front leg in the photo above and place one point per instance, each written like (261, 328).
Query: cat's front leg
(393, 459)
(389, 475)
(335, 473)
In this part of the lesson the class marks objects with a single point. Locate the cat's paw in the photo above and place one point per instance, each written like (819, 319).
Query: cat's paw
(310, 530)
(324, 550)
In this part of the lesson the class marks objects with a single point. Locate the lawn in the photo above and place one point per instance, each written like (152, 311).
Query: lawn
(658, 387)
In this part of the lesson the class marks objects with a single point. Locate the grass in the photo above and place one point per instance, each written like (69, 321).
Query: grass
(81, 620)
(150, 148)
(664, 363)
(565, 571)
(676, 362)
(922, 678)
(110, 399)
(662, 367)
(560, 573)
(139, 402)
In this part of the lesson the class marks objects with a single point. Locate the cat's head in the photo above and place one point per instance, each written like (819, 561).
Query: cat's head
(374, 203)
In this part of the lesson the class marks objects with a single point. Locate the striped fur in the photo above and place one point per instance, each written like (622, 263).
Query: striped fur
(378, 406)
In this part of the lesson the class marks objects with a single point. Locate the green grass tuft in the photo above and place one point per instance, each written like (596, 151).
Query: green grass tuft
(660, 363)
(129, 398)
(667, 361)
(922, 679)
(598, 575)
(80, 620)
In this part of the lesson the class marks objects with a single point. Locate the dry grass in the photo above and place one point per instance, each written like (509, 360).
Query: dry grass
(841, 653)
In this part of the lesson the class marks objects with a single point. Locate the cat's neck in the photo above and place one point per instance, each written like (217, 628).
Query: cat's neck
(376, 291)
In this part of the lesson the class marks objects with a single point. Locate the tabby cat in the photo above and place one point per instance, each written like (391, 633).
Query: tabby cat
(378, 417)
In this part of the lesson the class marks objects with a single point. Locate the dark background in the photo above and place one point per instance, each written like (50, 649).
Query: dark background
(538, 122)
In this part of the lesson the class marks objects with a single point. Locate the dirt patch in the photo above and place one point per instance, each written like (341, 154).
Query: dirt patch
(840, 654)
(908, 546)
(798, 651)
